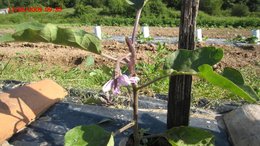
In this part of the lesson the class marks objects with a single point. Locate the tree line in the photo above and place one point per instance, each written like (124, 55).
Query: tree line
(159, 7)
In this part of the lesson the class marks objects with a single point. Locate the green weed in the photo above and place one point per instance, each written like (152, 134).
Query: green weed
(242, 39)
(72, 78)
(142, 40)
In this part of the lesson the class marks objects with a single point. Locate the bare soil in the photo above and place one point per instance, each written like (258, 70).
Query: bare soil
(70, 57)
(224, 33)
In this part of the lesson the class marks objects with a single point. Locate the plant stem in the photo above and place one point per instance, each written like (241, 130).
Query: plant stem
(119, 60)
(129, 125)
(131, 64)
(135, 116)
(132, 70)
(112, 58)
(155, 80)
(5, 66)
(137, 18)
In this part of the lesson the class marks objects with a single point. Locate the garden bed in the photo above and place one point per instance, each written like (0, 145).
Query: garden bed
(71, 67)
(51, 127)
(33, 62)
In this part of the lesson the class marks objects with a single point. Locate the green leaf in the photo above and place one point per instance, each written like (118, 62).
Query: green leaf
(6, 38)
(197, 62)
(36, 32)
(188, 61)
(231, 80)
(26, 25)
(189, 136)
(233, 75)
(90, 61)
(236, 77)
(138, 4)
(91, 135)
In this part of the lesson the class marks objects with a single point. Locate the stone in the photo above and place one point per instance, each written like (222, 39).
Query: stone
(22, 105)
(243, 125)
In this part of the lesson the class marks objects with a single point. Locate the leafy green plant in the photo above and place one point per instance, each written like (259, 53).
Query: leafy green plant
(212, 7)
(154, 68)
(181, 62)
(91, 135)
(142, 40)
(80, 9)
(242, 39)
(189, 136)
(252, 40)
(36, 32)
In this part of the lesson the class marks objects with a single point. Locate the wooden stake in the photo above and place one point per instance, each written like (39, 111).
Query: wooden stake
(180, 86)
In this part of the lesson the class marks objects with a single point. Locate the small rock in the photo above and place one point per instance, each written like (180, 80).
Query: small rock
(225, 108)
(203, 102)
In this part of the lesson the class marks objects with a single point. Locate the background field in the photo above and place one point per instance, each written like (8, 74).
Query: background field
(213, 13)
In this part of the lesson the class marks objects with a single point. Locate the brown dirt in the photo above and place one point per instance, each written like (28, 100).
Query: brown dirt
(70, 57)
(225, 33)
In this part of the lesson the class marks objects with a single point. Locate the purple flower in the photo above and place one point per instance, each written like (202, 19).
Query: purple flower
(115, 84)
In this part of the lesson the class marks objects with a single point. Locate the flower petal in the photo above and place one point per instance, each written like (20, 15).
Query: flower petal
(116, 90)
(134, 80)
(123, 80)
(108, 86)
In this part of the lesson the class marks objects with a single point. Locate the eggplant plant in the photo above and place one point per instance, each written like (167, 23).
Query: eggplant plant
(197, 62)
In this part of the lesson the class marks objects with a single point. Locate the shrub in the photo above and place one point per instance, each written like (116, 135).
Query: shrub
(116, 7)
(254, 5)
(255, 14)
(155, 8)
(240, 10)
(70, 3)
(212, 7)
(95, 3)
(83, 10)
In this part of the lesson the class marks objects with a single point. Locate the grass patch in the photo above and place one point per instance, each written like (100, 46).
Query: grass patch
(27, 71)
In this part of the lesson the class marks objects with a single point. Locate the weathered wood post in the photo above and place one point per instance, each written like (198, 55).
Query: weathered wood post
(180, 86)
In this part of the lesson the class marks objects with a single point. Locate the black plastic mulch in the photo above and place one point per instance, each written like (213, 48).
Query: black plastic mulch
(51, 127)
